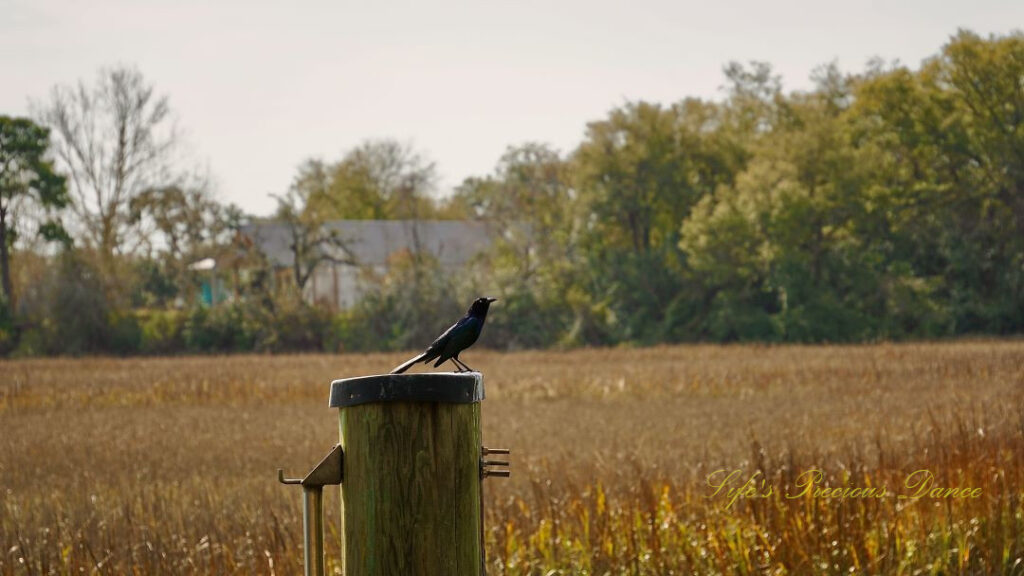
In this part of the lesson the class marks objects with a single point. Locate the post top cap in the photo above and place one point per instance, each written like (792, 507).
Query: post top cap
(447, 387)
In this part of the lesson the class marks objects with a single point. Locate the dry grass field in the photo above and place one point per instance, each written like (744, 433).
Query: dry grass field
(168, 466)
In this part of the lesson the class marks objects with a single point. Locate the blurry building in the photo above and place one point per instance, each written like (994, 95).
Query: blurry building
(370, 245)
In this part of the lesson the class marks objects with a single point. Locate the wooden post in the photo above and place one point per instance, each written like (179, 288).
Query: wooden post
(411, 482)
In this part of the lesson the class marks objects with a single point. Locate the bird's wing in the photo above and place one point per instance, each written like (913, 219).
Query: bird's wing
(454, 339)
(437, 346)
(464, 336)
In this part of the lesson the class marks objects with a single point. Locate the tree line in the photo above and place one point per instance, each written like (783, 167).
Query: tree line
(883, 204)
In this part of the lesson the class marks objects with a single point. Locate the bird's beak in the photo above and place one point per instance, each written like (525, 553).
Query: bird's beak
(492, 300)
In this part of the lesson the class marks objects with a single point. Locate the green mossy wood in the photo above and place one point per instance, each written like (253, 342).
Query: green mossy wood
(411, 487)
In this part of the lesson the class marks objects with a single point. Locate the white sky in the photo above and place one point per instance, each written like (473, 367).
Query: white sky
(260, 86)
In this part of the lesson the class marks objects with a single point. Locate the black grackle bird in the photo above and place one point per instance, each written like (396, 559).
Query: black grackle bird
(460, 336)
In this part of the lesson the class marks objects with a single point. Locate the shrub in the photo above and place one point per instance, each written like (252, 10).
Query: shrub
(67, 312)
(218, 329)
(525, 321)
(298, 326)
(734, 317)
(161, 332)
(8, 330)
(125, 333)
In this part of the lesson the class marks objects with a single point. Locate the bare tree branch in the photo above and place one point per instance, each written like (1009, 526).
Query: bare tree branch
(115, 139)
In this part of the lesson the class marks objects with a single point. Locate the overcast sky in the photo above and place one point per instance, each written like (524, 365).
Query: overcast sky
(260, 86)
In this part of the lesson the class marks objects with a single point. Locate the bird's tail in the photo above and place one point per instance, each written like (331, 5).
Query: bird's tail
(408, 363)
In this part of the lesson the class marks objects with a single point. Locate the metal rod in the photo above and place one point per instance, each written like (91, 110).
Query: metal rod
(328, 471)
(313, 530)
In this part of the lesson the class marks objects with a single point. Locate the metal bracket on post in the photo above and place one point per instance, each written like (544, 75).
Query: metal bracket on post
(494, 467)
(328, 472)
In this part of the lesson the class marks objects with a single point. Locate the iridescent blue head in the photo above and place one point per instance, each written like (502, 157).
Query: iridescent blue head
(480, 306)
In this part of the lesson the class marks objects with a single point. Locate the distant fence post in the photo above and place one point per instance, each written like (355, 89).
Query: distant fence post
(411, 495)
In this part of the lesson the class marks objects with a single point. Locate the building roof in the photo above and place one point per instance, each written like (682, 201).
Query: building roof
(372, 242)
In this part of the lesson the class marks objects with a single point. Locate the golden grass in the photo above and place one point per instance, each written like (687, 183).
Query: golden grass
(167, 466)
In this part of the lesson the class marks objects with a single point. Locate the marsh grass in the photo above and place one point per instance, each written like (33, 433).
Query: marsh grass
(167, 466)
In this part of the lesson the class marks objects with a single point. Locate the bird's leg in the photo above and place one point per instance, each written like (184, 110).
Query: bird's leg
(461, 364)
(466, 366)
(458, 368)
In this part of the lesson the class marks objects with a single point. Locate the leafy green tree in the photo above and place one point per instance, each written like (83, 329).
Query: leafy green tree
(632, 170)
(378, 180)
(528, 202)
(755, 98)
(639, 173)
(788, 251)
(980, 83)
(529, 205)
(27, 181)
(67, 311)
(950, 141)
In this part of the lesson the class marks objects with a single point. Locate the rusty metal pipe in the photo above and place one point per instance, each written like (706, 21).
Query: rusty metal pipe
(328, 471)
(313, 530)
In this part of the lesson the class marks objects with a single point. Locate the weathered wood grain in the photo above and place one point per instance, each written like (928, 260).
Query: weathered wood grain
(411, 491)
